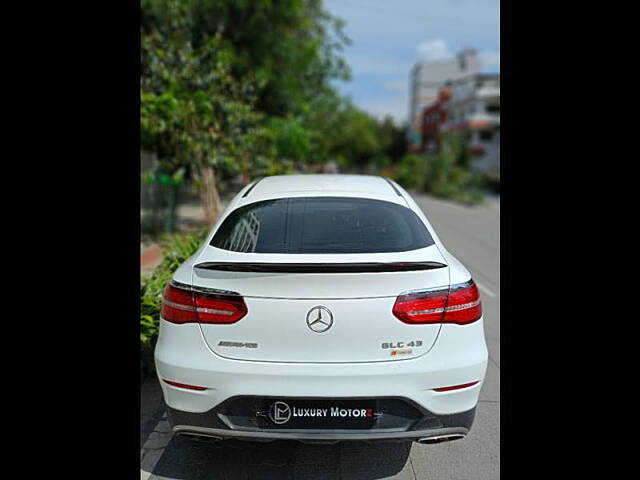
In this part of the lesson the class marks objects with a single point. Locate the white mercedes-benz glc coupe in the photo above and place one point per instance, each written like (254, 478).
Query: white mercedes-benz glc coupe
(322, 308)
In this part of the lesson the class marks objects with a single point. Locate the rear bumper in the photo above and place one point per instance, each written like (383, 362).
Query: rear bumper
(458, 357)
(427, 427)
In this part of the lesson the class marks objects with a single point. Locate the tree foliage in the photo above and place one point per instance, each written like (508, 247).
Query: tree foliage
(244, 87)
(194, 112)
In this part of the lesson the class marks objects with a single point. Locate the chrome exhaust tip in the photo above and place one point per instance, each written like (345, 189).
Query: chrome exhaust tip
(441, 438)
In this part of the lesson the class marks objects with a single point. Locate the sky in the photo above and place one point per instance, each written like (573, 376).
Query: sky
(389, 36)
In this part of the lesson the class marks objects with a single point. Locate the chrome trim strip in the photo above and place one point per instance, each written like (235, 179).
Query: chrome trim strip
(425, 312)
(213, 311)
(310, 436)
(207, 435)
(455, 308)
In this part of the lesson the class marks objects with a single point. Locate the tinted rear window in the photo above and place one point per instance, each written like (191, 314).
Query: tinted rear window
(322, 225)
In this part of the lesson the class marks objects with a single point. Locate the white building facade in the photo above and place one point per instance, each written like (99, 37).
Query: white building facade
(474, 107)
(425, 81)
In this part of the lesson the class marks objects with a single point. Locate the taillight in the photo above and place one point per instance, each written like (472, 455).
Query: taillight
(219, 308)
(459, 304)
(180, 305)
(424, 307)
(464, 304)
(177, 305)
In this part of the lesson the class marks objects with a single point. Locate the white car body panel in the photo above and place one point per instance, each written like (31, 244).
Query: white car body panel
(347, 360)
(359, 329)
(457, 359)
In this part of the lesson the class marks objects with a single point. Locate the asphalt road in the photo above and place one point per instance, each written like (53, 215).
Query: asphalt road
(473, 235)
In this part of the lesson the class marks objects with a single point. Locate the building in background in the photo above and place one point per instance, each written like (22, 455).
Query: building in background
(433, 118)
(472, 105)
(425, 82)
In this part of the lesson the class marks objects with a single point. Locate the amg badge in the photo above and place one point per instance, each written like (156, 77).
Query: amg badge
(238, 344)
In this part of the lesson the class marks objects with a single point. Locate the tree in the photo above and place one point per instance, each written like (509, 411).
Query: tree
(292, 45)
(393, 138)
(355, 143)
(194, 114)
(227, 85)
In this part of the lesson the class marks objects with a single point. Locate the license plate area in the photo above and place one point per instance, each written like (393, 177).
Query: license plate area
(273, 413)
(318, 414)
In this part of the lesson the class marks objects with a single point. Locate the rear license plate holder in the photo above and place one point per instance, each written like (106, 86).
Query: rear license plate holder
(317, 414)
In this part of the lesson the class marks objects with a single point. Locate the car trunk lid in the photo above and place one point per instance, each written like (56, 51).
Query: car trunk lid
(319, 309)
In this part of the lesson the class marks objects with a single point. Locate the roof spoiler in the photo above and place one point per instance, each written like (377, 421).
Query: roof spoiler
(361, 267)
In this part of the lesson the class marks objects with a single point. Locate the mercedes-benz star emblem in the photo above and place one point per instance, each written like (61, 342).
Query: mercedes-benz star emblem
(319, 319)
(280, 413)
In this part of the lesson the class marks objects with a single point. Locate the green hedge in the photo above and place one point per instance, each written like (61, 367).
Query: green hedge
(176, 249)
(446, 174)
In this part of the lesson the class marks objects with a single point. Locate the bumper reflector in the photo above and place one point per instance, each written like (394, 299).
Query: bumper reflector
(456, 387)
(184, 385)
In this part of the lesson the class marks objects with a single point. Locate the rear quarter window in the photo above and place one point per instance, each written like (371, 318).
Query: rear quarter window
(322, 225)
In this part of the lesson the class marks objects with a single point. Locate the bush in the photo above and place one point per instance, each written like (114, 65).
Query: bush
(446, 179)
(445, 175)
(448, 173)
(176, 249)
(410, 172)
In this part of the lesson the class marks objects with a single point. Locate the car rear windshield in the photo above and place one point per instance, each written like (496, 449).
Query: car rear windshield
(322, 225)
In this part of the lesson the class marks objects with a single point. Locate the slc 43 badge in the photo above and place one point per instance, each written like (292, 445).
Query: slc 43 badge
(412, 343)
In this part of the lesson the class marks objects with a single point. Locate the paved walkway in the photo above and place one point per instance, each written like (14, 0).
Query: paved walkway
(150, 258)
